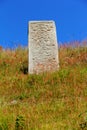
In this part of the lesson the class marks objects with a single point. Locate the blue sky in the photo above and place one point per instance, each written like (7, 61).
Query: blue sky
(70, 17)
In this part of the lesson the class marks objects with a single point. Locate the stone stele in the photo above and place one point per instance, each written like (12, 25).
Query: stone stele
(43, 47)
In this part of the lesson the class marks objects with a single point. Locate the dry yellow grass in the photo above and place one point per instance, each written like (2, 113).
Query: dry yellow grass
(49, 101)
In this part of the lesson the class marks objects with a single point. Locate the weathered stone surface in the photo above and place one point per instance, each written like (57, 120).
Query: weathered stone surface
(43, 47)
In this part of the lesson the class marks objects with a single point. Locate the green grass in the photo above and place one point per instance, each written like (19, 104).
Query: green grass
(49, 101)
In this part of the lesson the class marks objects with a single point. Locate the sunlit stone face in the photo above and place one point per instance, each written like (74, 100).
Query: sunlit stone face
(43, 47)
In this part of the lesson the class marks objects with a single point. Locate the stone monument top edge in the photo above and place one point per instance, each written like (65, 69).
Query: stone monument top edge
(42, 21)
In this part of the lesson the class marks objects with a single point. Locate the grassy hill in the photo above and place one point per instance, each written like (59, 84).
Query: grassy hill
(49, 101)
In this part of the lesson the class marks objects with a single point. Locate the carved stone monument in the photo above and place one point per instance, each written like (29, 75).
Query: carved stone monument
(43, 47)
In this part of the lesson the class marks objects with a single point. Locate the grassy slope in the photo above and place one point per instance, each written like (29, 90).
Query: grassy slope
(56, 101)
